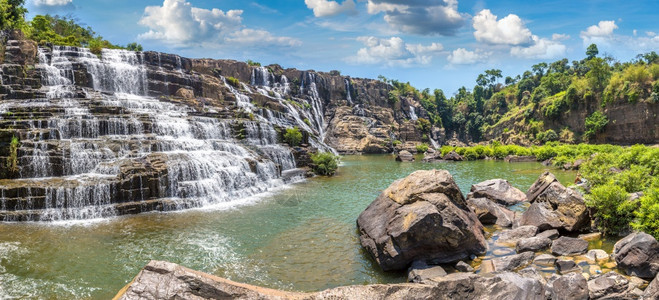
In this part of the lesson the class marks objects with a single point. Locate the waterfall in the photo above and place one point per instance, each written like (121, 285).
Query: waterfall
(348, 91)
(261, 77)
(413, 116)
(316, 103)
(118, 145)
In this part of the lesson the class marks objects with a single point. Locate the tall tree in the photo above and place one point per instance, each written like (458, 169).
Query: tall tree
(592, 51)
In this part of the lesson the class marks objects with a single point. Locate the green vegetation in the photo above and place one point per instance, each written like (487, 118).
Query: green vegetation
(595, 124)
(324, 163)
(253, 63)
(233, 81)
(12, 159)
(421, 148)
(12, 14)
(293, 136)
(611, 172)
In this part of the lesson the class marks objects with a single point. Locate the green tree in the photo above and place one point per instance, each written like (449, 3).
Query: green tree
(591, 51)
(12, 14)
(324, 163)
(599, 74)
(595, 124)
(134, 47)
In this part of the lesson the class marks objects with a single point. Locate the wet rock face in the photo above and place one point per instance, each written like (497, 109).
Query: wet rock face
(421, 217)
(638, 255)
(554, 206)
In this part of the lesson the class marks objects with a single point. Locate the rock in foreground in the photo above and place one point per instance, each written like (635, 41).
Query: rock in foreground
(638, 255)
(164, 280)
(421, 217)
(554, 206)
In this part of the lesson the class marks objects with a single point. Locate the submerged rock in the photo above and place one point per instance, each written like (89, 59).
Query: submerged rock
(554, 206)
(421, 217)
(497, 190)
(489, 212)
(638, 255)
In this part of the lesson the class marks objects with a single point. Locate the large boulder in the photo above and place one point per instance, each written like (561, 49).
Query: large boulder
(421, 217)
(489, 212)
(572, 286)
(405, 156)
(512, 262)
(534, 244)
(554, 206)
(638, 255)
(497, 190)
(569, 246)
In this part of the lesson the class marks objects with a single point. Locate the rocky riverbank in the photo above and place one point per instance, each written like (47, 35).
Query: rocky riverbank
(423, 224)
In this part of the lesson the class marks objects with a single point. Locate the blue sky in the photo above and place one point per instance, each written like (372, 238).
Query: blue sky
(433, 43)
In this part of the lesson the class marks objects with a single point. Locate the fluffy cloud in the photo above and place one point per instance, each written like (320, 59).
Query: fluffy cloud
(507, 31)
(328, 8)
(52, 2)
(603, 29)
(178, 23)
(462, 56)
(432, 17)
(541, 48)
(394, 52)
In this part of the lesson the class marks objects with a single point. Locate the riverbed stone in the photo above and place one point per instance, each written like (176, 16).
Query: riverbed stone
(591, 236)
(497, 190)
(532, 244)
(512, 262)
(545, 260)
(420, 272)
(607, 284)
(551, 234)
(564, 266)
(512, 236)
(463, 267)
(569, 246)
(489, 212)
(571, 286)
(554, 206)
(405, 156)
(597, 255)
(421, 217)
(638, 255)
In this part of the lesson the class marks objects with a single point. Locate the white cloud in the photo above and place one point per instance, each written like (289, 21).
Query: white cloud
(52, 2)
(254, 37)
(328, 8)
(394, 52)
(602, 30)
(651, 33)
(462, 56)
(559, 37)
(507, 31)
(179, 23)
(541, 49)
(431, 17)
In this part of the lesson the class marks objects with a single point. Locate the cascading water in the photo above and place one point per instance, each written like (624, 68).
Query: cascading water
(98, 154)
(348, 91)
(413, 115)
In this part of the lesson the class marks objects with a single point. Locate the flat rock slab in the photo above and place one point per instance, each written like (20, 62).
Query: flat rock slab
(421, 272)
(569, 246)
(564, 266)
(545, 260)
(607, 284)
(463, 267)
(550, 234)
(512, 236)
(597, 255)
(534, 244)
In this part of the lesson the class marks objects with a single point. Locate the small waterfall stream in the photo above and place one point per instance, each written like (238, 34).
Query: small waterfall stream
(115, 148)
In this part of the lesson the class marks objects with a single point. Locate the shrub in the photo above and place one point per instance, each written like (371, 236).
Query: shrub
(595, 124)
(324, 163)
(397, 142)
(306, 121)
(566, 136)
(293, 136)
(613, 212)
(635, 179)
(446, 149)
(647, 217)
(233, 81)
(544, 153)
(253, 63)
(654, 70)
(471, 154)
(422, 148)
